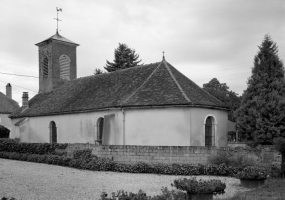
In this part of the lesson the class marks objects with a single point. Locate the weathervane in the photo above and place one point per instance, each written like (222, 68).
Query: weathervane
(57, 9)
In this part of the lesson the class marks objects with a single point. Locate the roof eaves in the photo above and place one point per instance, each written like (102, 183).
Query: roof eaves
(124, 107)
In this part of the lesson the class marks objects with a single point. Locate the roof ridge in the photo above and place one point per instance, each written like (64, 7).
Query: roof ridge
(176, 82)
(142, 84)
(205, 91)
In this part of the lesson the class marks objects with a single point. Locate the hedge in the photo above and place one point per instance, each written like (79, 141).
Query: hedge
(83, 159)
(103, 164)
(10, 145)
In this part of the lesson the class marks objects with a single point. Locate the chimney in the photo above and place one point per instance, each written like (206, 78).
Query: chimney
(25, 99)
(9, 90)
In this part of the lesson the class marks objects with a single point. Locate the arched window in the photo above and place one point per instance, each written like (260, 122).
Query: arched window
(64, 63)
(100, 125)
(45, 67)
(210, 132)
(53, 132)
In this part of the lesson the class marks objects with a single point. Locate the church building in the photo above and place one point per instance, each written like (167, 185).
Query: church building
(151, 105)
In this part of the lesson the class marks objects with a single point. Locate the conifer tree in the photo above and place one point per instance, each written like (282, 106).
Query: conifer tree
(125, 57)
(261, 116)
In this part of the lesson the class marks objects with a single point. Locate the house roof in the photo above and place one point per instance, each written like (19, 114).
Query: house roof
(157, 84)
(7, 105)
(58, 38)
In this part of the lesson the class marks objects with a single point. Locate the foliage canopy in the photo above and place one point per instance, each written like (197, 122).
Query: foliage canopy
(261, 116)
(221, 92)
(125, 57)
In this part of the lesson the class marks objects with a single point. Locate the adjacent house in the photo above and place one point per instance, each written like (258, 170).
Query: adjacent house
(7, 106)
(152, 104)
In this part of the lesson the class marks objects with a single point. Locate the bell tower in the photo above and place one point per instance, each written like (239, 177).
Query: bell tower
(57, 61)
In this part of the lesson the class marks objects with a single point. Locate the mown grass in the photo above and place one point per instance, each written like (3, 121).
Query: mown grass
(272, 189)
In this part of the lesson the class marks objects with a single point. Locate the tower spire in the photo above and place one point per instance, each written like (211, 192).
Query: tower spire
(57, 10)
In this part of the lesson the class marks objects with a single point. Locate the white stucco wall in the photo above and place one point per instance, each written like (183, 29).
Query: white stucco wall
(158, 126)
(176, 126)
(168, 126)
(71, 128)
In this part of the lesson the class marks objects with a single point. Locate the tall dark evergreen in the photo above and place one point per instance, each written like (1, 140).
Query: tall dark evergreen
(125, 57)
(221, 91)
(261, 116)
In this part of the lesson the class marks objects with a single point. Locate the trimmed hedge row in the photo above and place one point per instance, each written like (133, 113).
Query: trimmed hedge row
(83, 154)
(10, 145)
(103, 164)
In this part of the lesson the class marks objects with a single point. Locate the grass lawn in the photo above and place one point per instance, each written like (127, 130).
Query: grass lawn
(272, 189)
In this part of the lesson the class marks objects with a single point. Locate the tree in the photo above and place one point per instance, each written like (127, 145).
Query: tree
(279, 144)
(222, 93)
(125, 57)
(261, 116)
(98, 71)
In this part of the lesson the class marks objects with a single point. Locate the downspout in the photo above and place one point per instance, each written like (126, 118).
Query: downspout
(124, 137)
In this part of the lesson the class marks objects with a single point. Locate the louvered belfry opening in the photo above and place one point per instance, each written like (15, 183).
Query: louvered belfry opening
(45, 67)
(64, 62)
(53, 132)
(209, 132)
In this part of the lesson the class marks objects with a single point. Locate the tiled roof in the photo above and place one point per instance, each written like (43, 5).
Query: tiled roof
(7, 105)
(59, 38)
(157, 84)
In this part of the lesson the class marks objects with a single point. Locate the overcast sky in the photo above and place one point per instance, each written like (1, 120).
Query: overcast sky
(203, 39)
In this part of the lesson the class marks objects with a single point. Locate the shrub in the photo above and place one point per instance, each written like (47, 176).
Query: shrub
(9, 145)
(75, 163)
(83, 154)
(252, 173)
(122, 195)
(220, 158)
(170, 195)
(193, 186)
(141, 195)
(239, 160)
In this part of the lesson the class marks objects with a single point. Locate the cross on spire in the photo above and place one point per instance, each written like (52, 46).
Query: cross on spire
(57, 9)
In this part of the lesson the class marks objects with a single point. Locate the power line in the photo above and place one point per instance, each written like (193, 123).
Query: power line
(19, 75)
(19, 86)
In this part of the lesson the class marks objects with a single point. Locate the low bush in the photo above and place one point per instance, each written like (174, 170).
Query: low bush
(252, 173)
(141, 195)
(194, 186)
(85, 154)
(238, 160)
(184, 188)
(104, 164)
(10, 145)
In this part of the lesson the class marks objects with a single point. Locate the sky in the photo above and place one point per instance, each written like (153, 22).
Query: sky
(203, 39)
